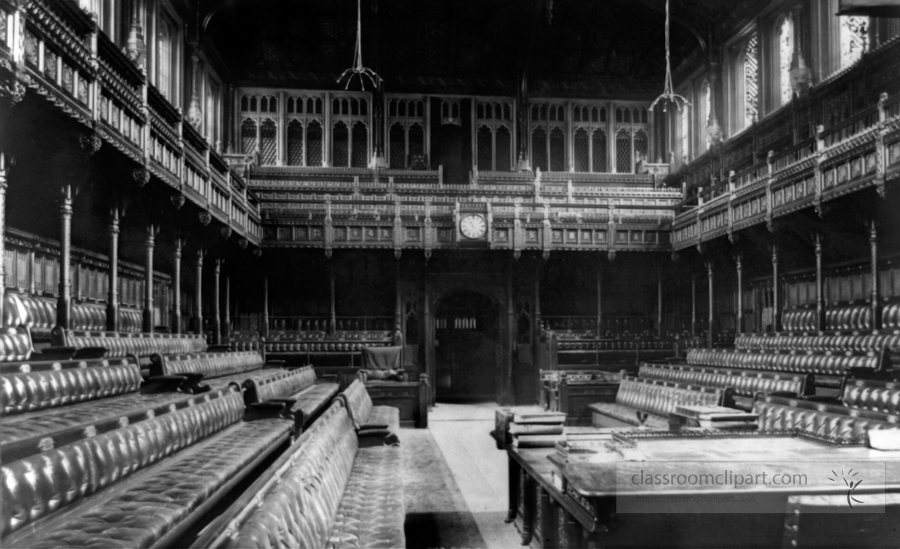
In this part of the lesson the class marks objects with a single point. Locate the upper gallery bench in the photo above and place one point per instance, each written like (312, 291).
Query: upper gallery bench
(656, 400)
(122, 343)
(325, 491)
(827, 420)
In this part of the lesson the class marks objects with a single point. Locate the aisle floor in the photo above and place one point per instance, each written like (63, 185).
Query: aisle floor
(462, 432)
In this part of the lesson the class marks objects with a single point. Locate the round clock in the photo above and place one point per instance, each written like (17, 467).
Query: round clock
(473, 226)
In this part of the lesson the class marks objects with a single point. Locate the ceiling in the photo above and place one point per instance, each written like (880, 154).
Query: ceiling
(568, 48)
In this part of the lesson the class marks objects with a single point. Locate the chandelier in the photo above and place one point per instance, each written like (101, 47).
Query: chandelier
(668, 94)
(358, 70)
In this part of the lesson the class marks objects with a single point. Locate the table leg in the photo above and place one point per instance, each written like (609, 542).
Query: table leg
(527, 488)
(513, 482)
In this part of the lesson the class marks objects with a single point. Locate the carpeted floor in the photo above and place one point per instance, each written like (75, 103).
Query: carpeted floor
(436, 513)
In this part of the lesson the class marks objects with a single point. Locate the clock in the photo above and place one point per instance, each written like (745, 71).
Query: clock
(473, 226)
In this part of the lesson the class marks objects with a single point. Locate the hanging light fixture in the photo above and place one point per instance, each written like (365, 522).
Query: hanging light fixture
(358, 69)
(668, 94)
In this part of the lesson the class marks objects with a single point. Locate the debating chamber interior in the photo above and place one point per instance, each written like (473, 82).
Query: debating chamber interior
(445, 273)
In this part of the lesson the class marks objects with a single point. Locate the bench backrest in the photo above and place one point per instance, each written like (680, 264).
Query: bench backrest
(744, 382)
(281, 385)
(29, 386)
(15, 344)
(867, 394)
(358, 402)
(211, 365)
(818, 363)
(661, 398)
(819, 343)
(822, 419)
(40, 483)
(123, 344)
(296, 506)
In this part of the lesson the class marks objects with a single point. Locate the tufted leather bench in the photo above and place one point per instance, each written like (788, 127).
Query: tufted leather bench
(746, 383)
(371, 422)
(658, 399)
(305, 396)
(831, 366)
(122, 344)
(39, 314)
(209, 364)
(141, 479)
(844, 317)
(326, 491)
(874, 395)
(15, 344)
(831, 420)
(35, 385)
(818, 343)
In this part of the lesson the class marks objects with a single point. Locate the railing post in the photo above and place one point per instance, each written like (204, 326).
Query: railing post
(3, 184)
(217, 311)
(148, 279)
(739, 314)
(112, 296)
(265, 326)
(176, 287)
(694, 331)
(65, 265)
(820, 289)
(659, 301)
(876, 291)
(776, 292)
(198, 293)
(710, 336)
(226, 324)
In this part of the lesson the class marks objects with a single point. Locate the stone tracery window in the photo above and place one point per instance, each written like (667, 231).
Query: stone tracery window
(406, 139)
(750, 76)
(854, 31)
(785, 54)
(493, 136)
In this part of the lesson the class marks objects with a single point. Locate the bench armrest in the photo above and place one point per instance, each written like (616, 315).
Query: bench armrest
(280, 408)
(218, 348)
(182, 383)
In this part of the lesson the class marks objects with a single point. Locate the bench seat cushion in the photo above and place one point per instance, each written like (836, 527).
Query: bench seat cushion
(143, 508)
(381, 428)
(313, 400)
(628, 415)
(372, 511)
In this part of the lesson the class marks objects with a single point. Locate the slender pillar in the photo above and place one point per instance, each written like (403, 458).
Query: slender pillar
(63, 303)
(148, 279)
(537, 306)
(398, 300)
(217, 311)
(739, 316)
(265, 326)
(198, 294)
(876, 297)
(599, 299)
(659, 301)
(3, 184)
(112, 296)
(820, 287)
(694, 304)
(226, 324)
(429, 337)
(710, 333)
(776, 293)
(507, 396)
(332, 317)
(176, 288)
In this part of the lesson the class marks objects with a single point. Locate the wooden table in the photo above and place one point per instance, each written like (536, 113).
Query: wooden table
(573, 503)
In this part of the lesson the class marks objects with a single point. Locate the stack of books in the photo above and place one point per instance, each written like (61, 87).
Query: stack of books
(718, 417)
(536, 430)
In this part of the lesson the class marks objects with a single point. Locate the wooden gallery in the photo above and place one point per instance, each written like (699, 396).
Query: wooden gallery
(443, 273)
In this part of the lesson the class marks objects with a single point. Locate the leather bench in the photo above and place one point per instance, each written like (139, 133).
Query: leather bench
(656, 399)
(844, 317)
(216, 364)
(745, 383)
(306, 397)
(827, 420)
(571, 391)
(370, 421)
(828, 367)
(818, 343)
(138, 482)
(325, 491)
(15, 344)
(38, 384)
(874, 395)
(39, 314)
(123, 344)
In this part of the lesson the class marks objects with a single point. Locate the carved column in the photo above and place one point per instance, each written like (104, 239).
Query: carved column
(537, 304)
(659, 301)
(265, 326)
(148, 279)
(739, 315)
(216, 320)
(176, 287)
(694, 304)
(226, 323)
(3, 184)
(710, 333)
(599, 299)
(198, 294)
(63, 303)
(112, 296)
(876, 298)
(332, 317)
(820, 287)
(776, 292)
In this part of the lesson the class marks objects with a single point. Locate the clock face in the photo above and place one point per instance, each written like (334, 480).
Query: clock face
(473, 226)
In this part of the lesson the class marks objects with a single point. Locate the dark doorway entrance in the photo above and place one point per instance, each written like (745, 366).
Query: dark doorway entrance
(467, 336)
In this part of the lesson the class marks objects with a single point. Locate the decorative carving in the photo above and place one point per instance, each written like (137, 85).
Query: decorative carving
(611, 255)
(11, 91)
(257, 252)
(91, 143)
(205, 218)
(242, 243)
(177, 200)
(226, 232)
(141, 176)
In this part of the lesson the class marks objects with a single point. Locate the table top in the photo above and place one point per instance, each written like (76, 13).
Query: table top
(595, 474)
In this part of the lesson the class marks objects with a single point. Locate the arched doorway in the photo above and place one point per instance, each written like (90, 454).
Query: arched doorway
(467, 347)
